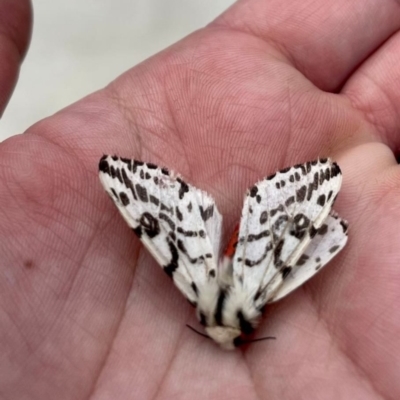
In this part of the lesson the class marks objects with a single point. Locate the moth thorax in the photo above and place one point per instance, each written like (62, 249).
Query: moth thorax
(223, 335)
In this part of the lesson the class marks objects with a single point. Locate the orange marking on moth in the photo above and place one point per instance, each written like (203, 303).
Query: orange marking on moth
(231, 247)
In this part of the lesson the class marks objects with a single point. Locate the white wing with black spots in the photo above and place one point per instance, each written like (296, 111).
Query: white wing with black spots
(281, 215)
(179, 224)
(329, 241)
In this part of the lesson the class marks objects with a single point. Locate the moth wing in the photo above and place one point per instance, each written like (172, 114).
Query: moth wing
(329, 241)
(179, 224)
(280, 216)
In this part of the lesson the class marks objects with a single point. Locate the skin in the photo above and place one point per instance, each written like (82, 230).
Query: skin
(85, 313)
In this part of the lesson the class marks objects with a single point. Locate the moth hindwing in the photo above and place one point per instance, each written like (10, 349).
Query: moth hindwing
(287, 233)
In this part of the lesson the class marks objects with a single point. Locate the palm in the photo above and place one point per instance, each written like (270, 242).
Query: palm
(84, 309)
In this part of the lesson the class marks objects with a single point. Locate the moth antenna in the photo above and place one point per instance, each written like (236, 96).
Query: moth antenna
(239, 341)
(260, 339)
(196, 331)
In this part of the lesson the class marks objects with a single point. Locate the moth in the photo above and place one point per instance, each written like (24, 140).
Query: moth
(287, 233)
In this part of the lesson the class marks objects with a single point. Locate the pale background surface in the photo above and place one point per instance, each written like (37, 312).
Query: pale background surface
(79, 46)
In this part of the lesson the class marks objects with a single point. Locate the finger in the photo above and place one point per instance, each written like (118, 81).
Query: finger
(324, 39)
(15, 30)
(375, 91)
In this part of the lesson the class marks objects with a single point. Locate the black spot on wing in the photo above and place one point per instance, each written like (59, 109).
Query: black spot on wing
(172, 235)
(253, 191)
(138, 231)
(154, 200)
(299, 226)
(264, 217)
(103, 165)
(344, 225)
(142, 193)
(313, 231)
(302, 167)
(321, 200)
(333, 249)
(313, 186)
(207, 213)
(254, 237)
(257, 295)
(301, 221)
(187, 233)
(281, 220)
(276, 210)
(115, 173)
(114, 193)
(301, 194)
(184, 188)
(285, 272)
(128, 183)
(150, 225)
(302, 260)
(324, 175)
(323, 229)
(178, 213)
(327, 174)
(335, 170)
(277, 252)
(289, 201)
(124, 198)
(169, 210)
(173, 264)
(195, 290)
(167, 219)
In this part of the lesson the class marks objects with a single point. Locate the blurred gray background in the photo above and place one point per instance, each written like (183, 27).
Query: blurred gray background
(79, 46)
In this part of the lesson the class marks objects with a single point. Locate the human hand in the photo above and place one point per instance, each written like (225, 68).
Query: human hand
(86, 312)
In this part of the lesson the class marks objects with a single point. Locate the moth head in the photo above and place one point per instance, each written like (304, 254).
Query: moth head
(223, 335)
